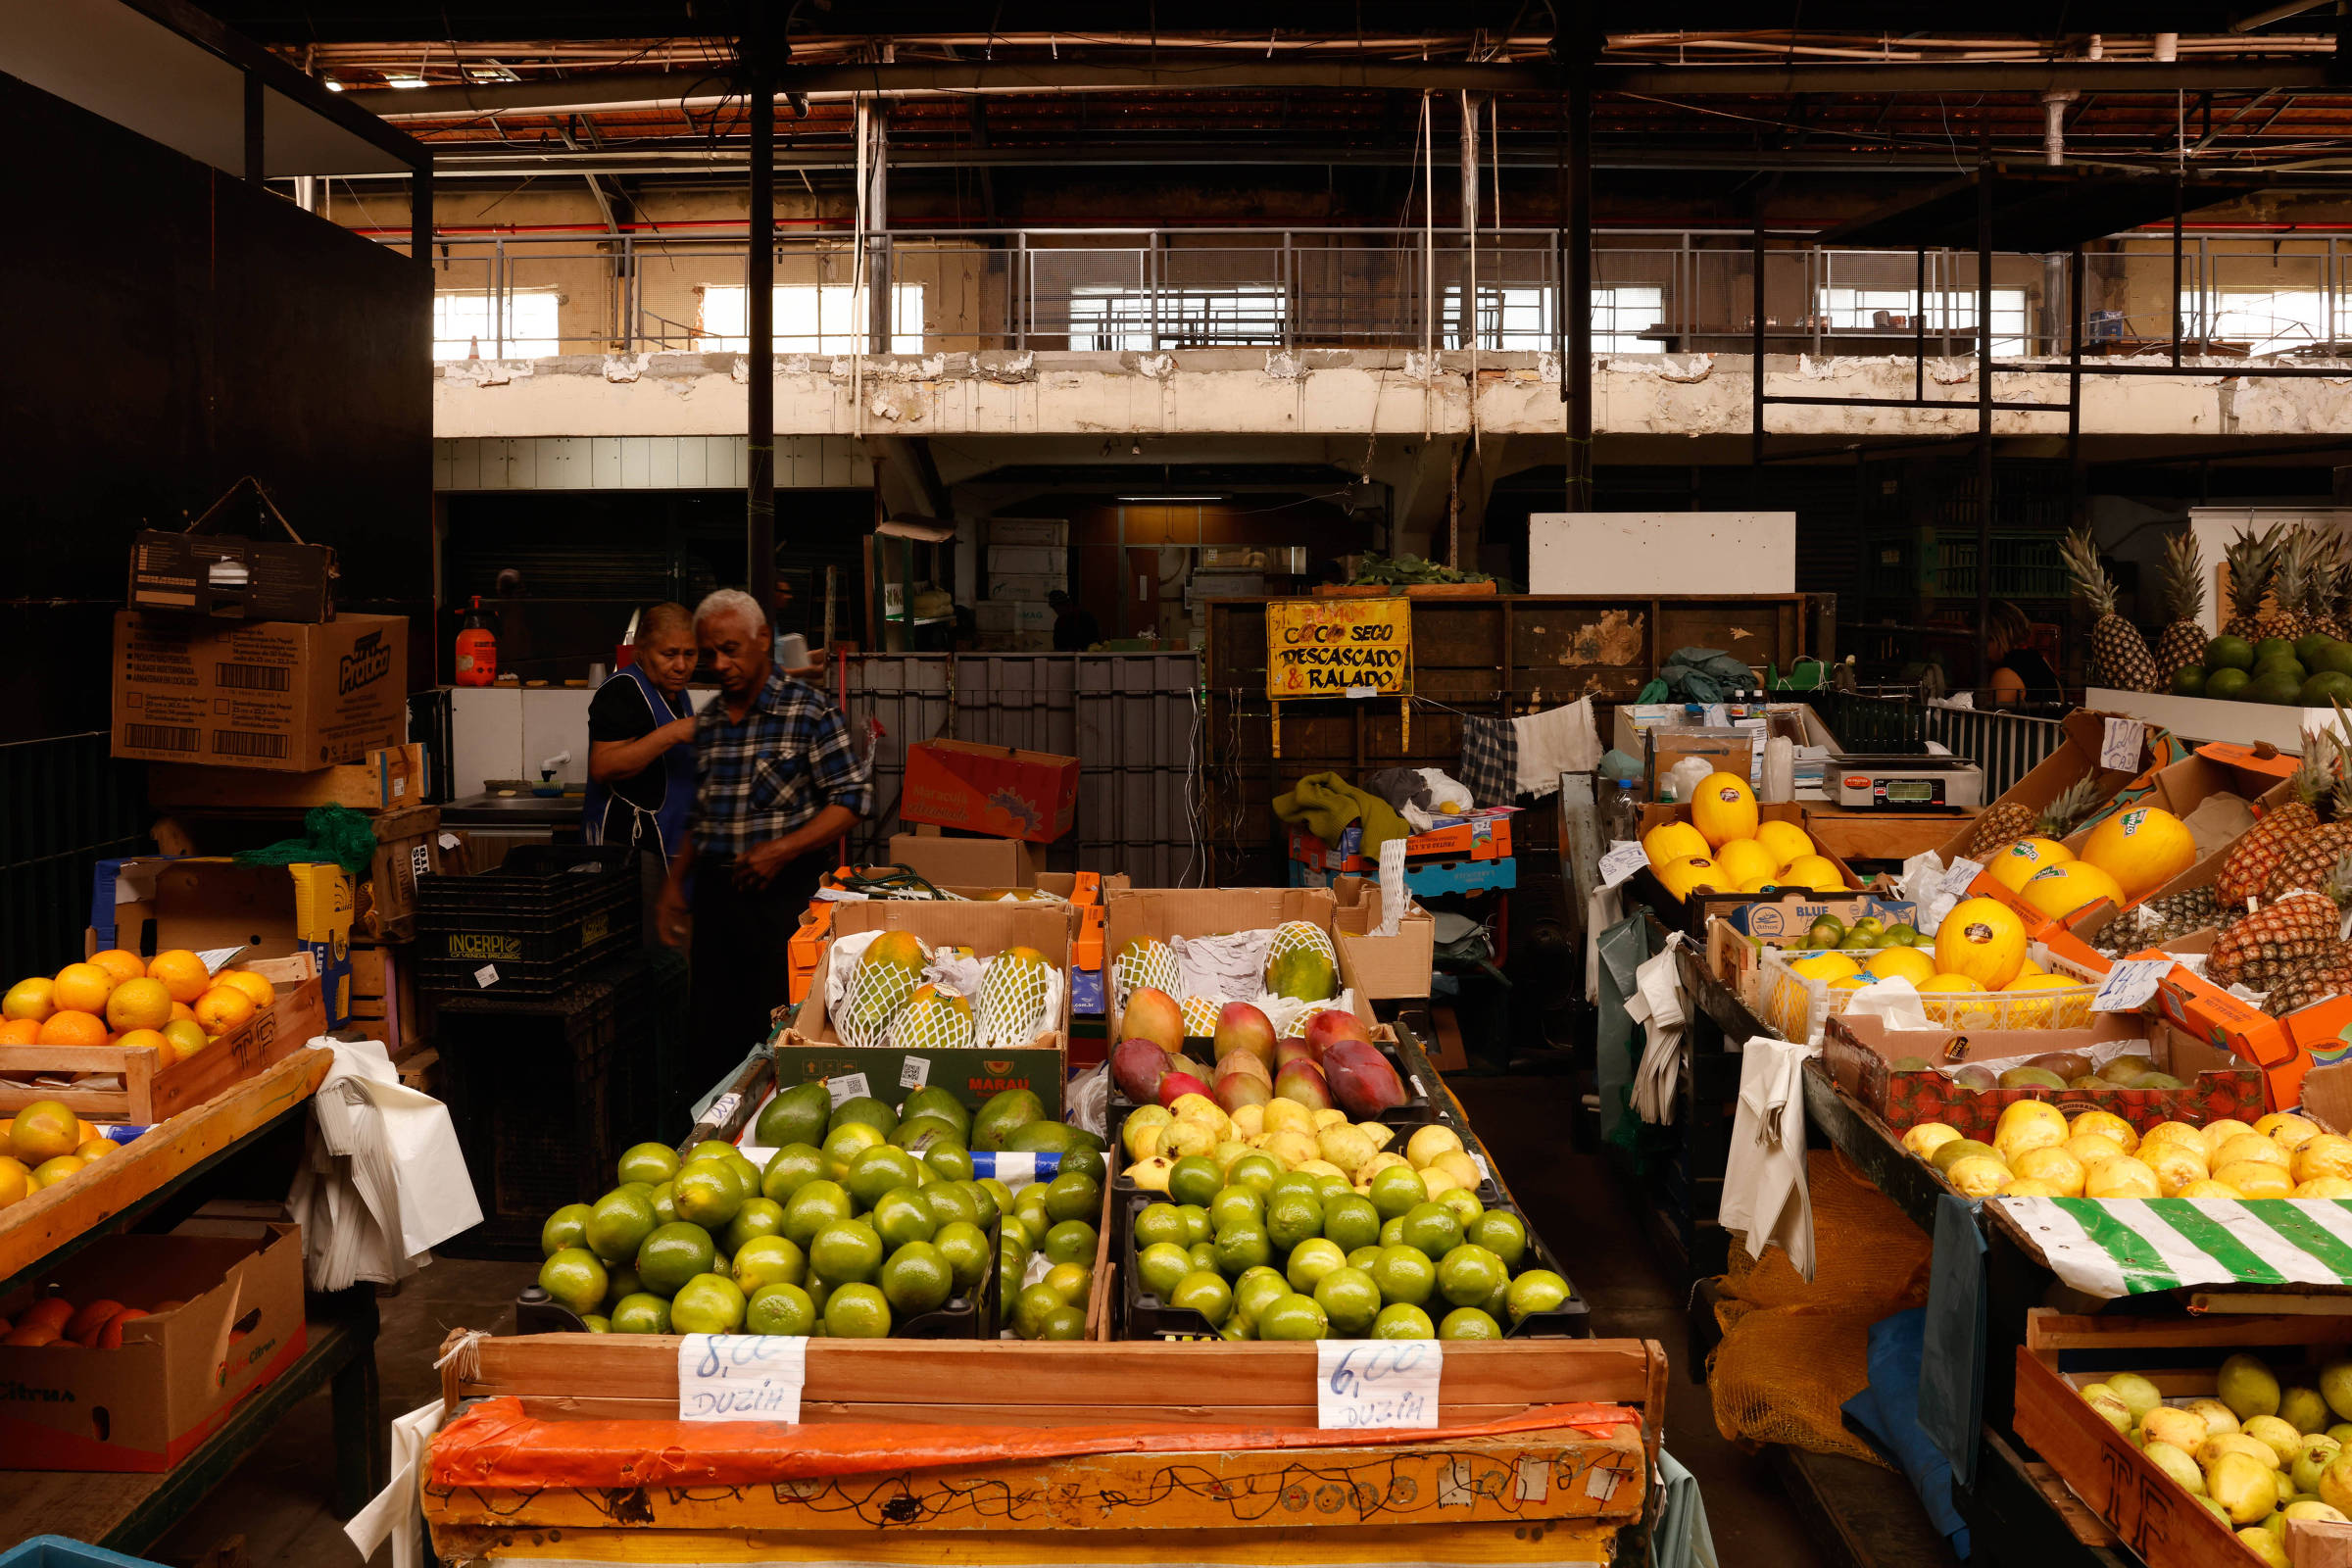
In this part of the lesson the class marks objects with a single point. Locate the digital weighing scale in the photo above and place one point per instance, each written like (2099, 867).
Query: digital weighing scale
(1861, 783)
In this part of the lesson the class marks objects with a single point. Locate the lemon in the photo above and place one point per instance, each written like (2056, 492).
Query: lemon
(1723, 808)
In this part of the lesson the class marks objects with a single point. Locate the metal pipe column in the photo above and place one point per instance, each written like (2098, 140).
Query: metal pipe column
(1576, 296)
(1984, 405)
(759, 317)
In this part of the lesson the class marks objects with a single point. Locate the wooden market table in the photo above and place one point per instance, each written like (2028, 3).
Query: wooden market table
(129, 1513)
(1881, 835)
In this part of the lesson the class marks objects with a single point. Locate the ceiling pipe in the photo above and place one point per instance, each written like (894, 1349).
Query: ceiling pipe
(2053, 125)
(2269, 13)
(2167, 46)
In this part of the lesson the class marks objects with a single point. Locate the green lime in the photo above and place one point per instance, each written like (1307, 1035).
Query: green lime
(934, 1100)
(1239, 1248)
(780, 1309)
(1293, 1317)
(721, 1263)
(770, 1260)
(596, 1323)
(1464, 1203)
(1405, 1274)
(1032, 1217)
(1255, 1289)
(917, 1279)
(1236, 1205)
(707, 1304)
(1197, 1226)
(1160, 1265)
(1292, 1219)
(845, 1142)
(1015, 1237)
(1237, 1328)
(1330, 1184)
(1392, 1232)
(796, 1115)
(640, 1313)
(665, 1208)
(1469, 1274)
(1072, 1241)
(1434, 1228)
(1195, 1179)
(1065, 1322)
(1298, 1182)
(566, 1227)
(650, 1163)
(1539, 1289)
(819, 1292)
(791, 1168)
(618, 1225)
(998, 1193)
(708, 1193)
(1500, 1231)
(2228, 685)
(1401, 1320)
(1255, 1171)
(865, 1108)
(758, 1217)
(1349, 1301)
(966, 1248)
(574, 1278)
(1206, 1294)
(2188, 681)
(814, 1206)
(846, 1251)
(1070, 1281)
(1030, 1193)
(952, 1201)
(1311, 1260)
(674, 1254)
(707, 1148)
(1351, 1221)
(879, 1169)
(1398, 1190)
(1205, 1255)
(1030, 1308)
(1363, 1258)
(856, 1313)
(902, 1215)
(1469, 1323)
(621, 1279)
(949, 1160)
(1071, 1196)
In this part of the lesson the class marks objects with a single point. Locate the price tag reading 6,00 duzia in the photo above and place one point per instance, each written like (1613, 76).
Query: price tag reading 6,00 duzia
(741, 1377)
(1377, 1382)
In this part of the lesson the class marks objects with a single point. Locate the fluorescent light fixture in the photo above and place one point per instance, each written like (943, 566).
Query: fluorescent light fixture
(1170, 497)
(330, 84)
(408, 81)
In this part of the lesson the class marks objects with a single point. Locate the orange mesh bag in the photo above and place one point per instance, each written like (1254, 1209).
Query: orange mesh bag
(1781, 1373)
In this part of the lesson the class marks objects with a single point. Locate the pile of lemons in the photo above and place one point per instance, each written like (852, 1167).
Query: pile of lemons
(2036, 1153)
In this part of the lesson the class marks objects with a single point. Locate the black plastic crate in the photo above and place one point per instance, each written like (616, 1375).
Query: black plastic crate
(1147, 1317)
(546, 915)
(546, 1092)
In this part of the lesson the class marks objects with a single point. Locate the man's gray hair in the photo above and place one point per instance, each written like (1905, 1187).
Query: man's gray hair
(730, 602)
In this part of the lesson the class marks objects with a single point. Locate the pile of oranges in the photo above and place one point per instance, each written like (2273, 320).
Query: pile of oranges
(45, 1143)
(117, 998)
(97, 1326)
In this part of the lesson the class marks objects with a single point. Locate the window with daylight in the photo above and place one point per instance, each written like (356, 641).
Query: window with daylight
(1109, 318)
(466, 325)
(1857, 309)
(809, 318)
(1518, 316)
(2262, 318)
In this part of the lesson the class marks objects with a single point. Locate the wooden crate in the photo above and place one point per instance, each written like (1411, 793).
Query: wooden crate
(1549, 1494)
(383, 996)
(2149, 1513)
(156, 1085)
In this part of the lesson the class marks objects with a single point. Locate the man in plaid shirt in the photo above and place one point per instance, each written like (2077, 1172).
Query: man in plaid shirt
(776, 782)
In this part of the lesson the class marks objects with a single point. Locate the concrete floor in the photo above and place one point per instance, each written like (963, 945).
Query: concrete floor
(278, 1500)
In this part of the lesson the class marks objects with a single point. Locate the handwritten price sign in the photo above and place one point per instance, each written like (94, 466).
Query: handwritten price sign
(1377, 1382)
(741, 1377)
(1338, 647)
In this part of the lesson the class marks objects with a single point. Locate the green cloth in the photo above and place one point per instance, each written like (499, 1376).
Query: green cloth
(1324, 803)
(334, 833)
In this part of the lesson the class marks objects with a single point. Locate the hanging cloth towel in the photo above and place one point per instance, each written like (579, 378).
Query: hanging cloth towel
(1491, 761)
(1324, 803)
(1657, 1006)
(1764, 1180)
(1560, 740)
(1681, 1538)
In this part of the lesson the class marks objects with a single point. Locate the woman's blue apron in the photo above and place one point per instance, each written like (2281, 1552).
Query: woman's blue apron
(609, 817)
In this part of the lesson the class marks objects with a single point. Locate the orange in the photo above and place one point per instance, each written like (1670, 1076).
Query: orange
(18, 1032)
(110, 1338)
(223, 1008)
(139, 1004)
(49, 1312)
(95, 1148)
(186, 1037)
(152, 1038)
(180, 1009)
(66, 1028)
(82, 1126)
(34, 998)
(49, 1172)
(120, 962)
(31, 1337)
(15, 1180)
(182, 973)
(83, 987)
(43, 1130)
(83, 1326)
(261, 991)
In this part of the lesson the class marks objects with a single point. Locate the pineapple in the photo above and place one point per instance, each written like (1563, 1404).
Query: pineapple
(2160, 920)
(2256, 855)
(1012, 998)
(2251, 558)
(2117, 649)
(2298, 569)
(2315, 980)
(2319, 603)
(2261, 948)
(2183, 639)
(2007, 821)
(2308, 856)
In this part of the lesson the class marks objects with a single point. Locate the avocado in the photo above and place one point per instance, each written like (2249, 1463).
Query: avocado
(2229, 652)
(2188, 681)
(2031, 1078)
(933, 1101)
(868, 1109)
(2277, 686)
(2228, 684)
(1006, 1113)
(797, 1115)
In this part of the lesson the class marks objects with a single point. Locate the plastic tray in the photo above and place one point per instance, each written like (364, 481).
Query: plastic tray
(528, 928)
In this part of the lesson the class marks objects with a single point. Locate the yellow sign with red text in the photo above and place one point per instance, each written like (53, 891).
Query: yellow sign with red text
(1338, 648)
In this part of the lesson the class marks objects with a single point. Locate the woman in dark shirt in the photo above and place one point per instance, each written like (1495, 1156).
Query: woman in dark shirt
(2020, 674)
(641, 742)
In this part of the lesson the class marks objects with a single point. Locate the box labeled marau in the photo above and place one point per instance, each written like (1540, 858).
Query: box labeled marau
(270, 695)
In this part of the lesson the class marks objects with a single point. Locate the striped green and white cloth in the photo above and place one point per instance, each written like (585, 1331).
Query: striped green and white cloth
(2132, 1247)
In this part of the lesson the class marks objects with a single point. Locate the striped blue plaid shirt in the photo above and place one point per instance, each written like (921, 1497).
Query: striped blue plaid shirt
(789, 760)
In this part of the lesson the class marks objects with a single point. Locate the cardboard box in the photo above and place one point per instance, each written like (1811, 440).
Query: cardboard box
(2180, 787)
(2076, 756)
(1167, 913)
(1031, 561)
(408, 846)
(807, 1047)
(1026, 588)
(1727, 750)
(225, 577)
(1003, 531)
(991, 789)
(146, 1405)
(263, 911)
(271, 695)
(964, 862)
(1388, 967)
(387, 780)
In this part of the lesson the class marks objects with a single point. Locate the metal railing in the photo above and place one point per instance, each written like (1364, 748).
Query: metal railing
(518, 295)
